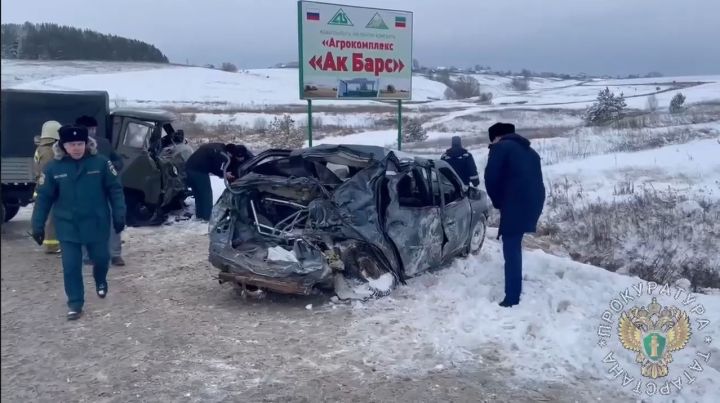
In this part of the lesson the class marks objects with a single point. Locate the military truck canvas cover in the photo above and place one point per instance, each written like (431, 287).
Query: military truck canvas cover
(24, 112)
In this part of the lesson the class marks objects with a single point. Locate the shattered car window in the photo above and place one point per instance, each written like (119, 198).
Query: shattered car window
(446, 186)
(136, 135)
(451, 188)
(412, 190)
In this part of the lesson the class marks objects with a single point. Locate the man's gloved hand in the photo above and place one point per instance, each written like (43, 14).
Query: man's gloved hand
(119, 226)
(39, 237)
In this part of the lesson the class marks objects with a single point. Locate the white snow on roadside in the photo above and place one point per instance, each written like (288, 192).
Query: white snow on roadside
(451, 318)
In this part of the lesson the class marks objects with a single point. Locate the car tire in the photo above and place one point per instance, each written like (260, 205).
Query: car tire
(9, 211)
(370, 271)
(477, 237)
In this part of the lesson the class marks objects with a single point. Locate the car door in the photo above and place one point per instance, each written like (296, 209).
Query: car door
(455, 210)
(140, 171)
(413, 223)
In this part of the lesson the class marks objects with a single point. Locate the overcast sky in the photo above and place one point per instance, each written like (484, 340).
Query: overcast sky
(569, 36)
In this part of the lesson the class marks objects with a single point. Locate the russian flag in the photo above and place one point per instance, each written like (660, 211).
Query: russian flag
(399, 22)
(313, 15)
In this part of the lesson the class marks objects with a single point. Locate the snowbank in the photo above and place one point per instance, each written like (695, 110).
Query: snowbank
(451, 318)
(693, 166)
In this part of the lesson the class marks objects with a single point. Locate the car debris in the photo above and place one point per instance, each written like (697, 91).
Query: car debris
(350, 218)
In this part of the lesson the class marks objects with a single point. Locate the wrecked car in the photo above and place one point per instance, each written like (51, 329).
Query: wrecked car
(330, 216)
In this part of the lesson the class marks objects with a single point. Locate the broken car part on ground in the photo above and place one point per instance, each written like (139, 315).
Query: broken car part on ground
(330, 216)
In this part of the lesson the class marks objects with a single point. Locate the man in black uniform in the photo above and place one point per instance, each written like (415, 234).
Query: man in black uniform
(208, 159)
(462, 162)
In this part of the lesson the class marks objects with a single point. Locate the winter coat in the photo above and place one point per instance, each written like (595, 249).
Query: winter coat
(105, 148)
(463, 163)
(79, 191)
(209, 159)
(43, 155)
(514, 182)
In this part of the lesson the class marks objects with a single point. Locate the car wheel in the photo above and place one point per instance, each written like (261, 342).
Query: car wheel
(9, 212)
(381, 282)
(477, 238)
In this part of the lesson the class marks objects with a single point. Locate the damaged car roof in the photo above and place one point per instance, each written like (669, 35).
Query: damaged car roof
(374, 152)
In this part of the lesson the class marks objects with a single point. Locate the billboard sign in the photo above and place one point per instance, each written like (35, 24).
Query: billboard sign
(349, 52)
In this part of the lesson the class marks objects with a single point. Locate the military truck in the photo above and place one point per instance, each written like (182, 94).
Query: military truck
(153, 152)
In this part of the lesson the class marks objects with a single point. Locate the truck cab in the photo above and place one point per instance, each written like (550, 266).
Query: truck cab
(154, 155)
(152, 150)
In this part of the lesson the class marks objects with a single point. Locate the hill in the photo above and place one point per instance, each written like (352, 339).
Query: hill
(56, 42)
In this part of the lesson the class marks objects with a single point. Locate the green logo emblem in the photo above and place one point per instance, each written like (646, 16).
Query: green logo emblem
(654, 346)
(340, 18)
(376, 22)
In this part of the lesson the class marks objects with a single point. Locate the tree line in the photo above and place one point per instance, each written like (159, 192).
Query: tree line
(57, 42)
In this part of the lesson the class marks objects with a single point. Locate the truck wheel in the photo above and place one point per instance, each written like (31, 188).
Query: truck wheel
(9, 211)
(139, 213)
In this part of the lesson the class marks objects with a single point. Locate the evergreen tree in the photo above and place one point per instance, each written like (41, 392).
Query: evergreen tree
(677, 103)
(607, 108)
(55, 42)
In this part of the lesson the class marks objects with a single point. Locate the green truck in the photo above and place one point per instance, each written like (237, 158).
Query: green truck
(153, 152)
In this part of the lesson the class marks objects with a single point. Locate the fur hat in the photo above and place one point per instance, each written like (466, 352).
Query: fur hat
(87, 121)
(500, 129)
(70, 133)
(237, 150)
(50, 130)
(456, 141)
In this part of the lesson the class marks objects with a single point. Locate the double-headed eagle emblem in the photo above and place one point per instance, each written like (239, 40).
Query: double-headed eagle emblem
(654, 332)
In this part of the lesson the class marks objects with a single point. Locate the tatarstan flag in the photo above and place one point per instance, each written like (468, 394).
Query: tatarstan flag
(399, 22)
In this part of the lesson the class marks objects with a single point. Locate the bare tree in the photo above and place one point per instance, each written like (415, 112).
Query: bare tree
(520, 84)
(652, 103)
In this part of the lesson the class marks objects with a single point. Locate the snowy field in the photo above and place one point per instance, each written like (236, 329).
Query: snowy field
(144, 84)
(449, 320)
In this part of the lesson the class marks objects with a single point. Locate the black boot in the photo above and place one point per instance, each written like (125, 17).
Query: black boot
(74, 314)
(507, 304)
(102, 290)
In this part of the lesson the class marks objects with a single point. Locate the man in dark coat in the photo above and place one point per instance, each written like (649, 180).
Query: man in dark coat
(514, 182)
(221, 160)
(103, 144)
(462, 162)
(106, 149)
(85, 195)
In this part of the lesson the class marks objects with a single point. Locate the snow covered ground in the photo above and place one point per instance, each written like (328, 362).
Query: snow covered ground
(690, 168)
(552, 335)
(449, 321)
(202, 87)
(146, 84)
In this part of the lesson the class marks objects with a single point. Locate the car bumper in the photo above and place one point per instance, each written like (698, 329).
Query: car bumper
(252, 267)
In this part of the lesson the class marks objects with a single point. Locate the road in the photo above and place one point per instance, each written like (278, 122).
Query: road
(169, 332)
